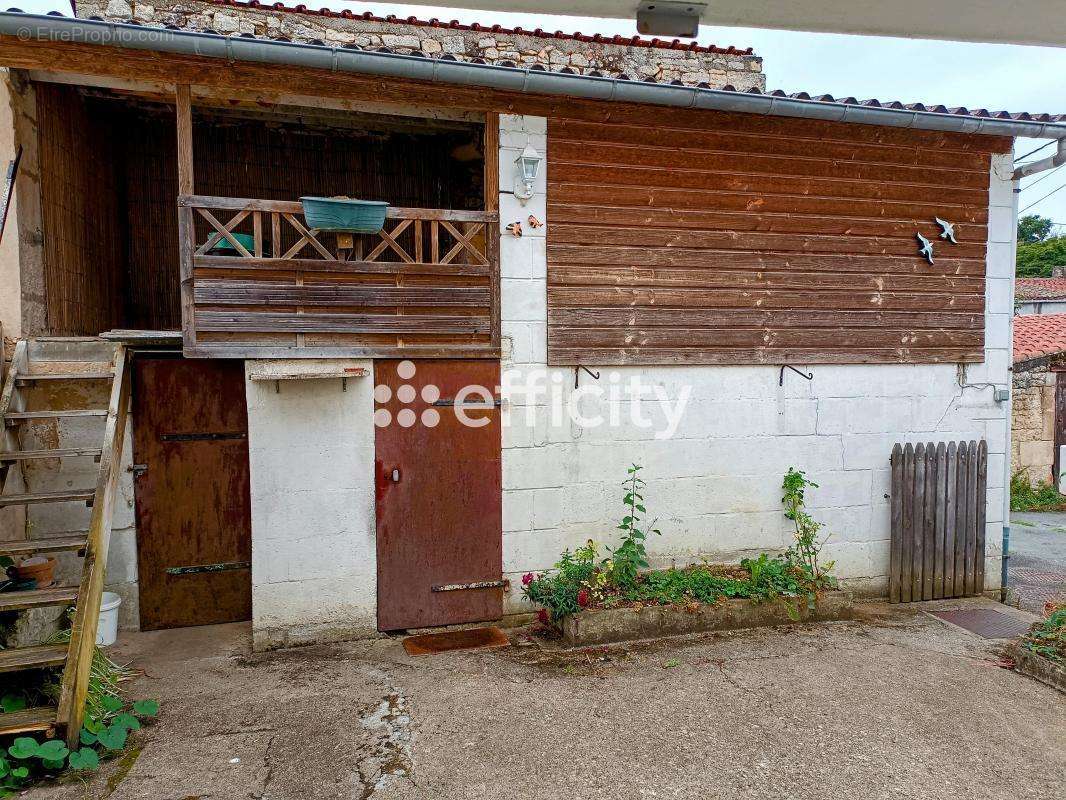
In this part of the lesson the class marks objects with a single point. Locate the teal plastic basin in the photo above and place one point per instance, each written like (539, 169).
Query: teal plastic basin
(223, 245)
(349, 216)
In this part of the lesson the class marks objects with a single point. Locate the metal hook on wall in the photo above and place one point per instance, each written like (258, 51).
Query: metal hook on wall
(577, 374)
(781, 378)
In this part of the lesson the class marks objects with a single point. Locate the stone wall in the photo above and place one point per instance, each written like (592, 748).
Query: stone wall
(1033, 423)
(743, 71)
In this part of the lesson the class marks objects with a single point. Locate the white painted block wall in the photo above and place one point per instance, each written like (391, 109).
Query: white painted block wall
(716, 485)
(314, 566)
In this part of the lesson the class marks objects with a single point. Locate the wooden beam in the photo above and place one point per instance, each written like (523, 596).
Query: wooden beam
(186, 224)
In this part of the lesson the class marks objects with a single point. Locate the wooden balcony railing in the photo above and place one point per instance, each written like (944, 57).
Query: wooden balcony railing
(426, 285)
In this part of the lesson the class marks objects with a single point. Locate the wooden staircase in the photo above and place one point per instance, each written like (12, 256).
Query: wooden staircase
(59, 370)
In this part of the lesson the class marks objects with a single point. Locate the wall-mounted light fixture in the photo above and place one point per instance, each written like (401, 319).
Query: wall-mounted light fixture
(527, 165)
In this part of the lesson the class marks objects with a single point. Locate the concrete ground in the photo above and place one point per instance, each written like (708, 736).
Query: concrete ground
(898, 705)
(1037, 564)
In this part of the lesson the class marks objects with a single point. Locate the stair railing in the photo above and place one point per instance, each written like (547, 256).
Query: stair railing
(87, 611)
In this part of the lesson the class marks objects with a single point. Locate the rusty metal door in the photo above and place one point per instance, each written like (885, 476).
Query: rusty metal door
(191, 489)
(439, 501)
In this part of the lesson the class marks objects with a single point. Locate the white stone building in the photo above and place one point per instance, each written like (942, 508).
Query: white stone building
(700, 242)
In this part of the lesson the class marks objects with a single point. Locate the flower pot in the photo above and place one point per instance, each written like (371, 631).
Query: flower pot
(343, 214)
(38, 568)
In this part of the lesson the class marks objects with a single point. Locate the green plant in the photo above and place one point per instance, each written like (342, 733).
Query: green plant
(1028, 496)
(631, 555)
(805, 552)
(1048, 637)
(559, 590)
(106, 727)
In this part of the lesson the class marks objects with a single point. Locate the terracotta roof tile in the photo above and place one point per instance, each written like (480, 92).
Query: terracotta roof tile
(634, 41)
(1040, 289)
(1038, 335)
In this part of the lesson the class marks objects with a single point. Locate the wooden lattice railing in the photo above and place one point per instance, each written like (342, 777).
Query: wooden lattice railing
(426, 284)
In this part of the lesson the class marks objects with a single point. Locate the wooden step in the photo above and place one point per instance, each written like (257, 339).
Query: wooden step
(29, 720)
(18, 417)
(27, 378)
(38, 598)
(37, 657)
(56, 544)
(33, 498)
(67, 452)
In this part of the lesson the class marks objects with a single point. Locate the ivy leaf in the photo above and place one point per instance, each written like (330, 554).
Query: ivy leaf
(12, 702)
(112, 703)
(127, 721)
(52, 750)
(51, 764)
(87, 736)
(84, 759)
(3, 767)
(112, 737)
(24, 747)
(20, 772)
(146, 708)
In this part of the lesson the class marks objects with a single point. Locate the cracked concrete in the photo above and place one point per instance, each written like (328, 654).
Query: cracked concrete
(897, 704)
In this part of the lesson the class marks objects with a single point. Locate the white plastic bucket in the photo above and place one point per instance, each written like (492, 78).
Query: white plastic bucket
(107, 630)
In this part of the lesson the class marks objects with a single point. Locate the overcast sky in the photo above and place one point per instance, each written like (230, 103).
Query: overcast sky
(973, 75)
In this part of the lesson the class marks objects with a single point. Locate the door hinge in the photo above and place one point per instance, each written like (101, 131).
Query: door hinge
(225, 566)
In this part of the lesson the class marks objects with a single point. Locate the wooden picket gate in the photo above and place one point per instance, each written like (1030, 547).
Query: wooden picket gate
(938, 521)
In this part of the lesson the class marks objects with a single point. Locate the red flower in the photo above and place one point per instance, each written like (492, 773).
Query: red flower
(542, 615)
(583, 597)
(527, 579)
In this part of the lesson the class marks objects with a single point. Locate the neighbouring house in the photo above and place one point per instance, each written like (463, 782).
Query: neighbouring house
(1038, 417)
(1040, 296)
(597, 252)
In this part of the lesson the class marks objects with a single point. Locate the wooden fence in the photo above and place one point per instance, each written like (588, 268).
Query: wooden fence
(938, 520)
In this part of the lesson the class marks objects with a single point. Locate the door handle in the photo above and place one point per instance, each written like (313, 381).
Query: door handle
(395, 476)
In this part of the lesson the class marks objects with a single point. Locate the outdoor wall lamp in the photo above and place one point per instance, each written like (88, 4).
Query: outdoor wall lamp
(528, 164)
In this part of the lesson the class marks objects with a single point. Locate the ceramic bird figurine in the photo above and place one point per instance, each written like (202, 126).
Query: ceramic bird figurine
(926, 249)
(947, 229)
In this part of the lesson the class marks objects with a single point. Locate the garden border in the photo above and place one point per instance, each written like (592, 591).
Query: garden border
(630, 623)
(1038, 668)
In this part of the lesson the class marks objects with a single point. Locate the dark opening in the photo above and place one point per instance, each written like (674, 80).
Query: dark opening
(109, 187)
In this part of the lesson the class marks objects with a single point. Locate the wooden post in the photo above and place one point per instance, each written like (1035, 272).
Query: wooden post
(491, 143)
(186, 225)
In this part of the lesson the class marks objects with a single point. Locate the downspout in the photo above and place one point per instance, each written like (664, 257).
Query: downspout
(1015, 198)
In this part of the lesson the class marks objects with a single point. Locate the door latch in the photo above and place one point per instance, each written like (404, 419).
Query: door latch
(137, 469)
(394, 476)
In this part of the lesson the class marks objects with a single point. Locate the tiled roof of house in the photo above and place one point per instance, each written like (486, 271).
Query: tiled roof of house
(628, 41)
(1024, 117)
(1038, 335)
(1040, 289)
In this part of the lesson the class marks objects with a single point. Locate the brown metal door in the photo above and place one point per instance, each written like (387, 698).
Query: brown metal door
(439, 500)
(190, 453)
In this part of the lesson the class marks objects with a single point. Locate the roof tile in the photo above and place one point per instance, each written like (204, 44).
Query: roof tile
(1038, 335)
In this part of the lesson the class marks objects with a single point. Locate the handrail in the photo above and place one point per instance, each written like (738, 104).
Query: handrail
(87, 610)
(292, 207)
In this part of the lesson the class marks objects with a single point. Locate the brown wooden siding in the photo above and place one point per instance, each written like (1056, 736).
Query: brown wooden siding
(83, 235)
(681, 237)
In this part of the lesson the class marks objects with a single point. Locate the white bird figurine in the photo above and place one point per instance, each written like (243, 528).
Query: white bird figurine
(947, 229)
(926, 248)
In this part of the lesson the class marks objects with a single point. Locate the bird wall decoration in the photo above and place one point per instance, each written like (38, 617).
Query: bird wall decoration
(947, 229)
(926, 248)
